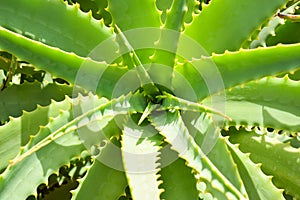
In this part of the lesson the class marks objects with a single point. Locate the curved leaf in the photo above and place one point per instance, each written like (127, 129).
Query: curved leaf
(214, 182)
(90, 74)
(61, 139)
(14, 100)
(39, 164)
(169, 39)
(268, 31)
(202, 128)
(140, 157)
(178, 181)
(257, 184)
(277, 158)
(221, 25)
(17, 131)
(209, 75)
(46, 21)
(288, 33)
(131, 14)
(275, 104)
(102, 181)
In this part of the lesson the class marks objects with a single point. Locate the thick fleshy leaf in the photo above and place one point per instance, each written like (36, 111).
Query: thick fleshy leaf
(170, 34)
(17, 131)
(288, 33)
(90, 74)
(140, 156)
(66, 34)
(15, 99)
(102, 181)
(209, 75)
(165, 44)
(62, 138)
(275, 104)
(131, 14)
(203, 129)
(178, 181)
(39, 164)
(171, 102)
(145, 81)
(220, 26)
(258, 185)
(274, 24)
(136, 14)
(213, 182)
(277, 158)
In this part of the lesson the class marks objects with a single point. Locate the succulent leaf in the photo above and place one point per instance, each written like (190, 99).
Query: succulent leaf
(17, 131)
(145, 97)
(39, 94)
(140, 157)
(42, 25)
(221, 22)
(39, 164)
(274, 24)
(183, 143)
(257, 184)
(62, 132)
(203, 129)
(278, 159)
(109, 184)
(287, 33)
(233, 68)
(274, 104)
(177, 178)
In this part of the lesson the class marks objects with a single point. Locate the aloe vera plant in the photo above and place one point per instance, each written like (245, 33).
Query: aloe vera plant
(167, 99)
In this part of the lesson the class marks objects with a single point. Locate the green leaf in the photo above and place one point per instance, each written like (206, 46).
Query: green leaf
(14, 99)
(131, 14)
(268, 31)
(167, 45)
(145, 81)
(258, 185)
(17, 131)
(213, 74)
(171, 102)
(53, 60)
(178, 181)
(247, 65)
(102, 181)
(192, 8)
(90, 74)
(214, 183)
(150, 107)
(17, 183)
(263, 149)
(295, 75)
(67, 27)
(60, 140)
(5, 60)
(279, 93)
(140, 156)
(202, 128)
(275, 104)
(288, 33)
(222, 23)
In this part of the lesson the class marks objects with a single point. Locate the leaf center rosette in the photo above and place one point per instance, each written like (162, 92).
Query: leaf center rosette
(149, 91)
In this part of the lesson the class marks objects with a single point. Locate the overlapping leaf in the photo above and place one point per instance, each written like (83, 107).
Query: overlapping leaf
(274, 155)
(275, 104)
(65, 136)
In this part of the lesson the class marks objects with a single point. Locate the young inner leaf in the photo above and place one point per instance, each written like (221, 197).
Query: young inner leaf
(146, 83)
